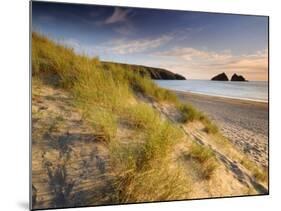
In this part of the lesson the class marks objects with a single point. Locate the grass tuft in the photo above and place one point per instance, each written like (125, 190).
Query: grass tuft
(206, 158)
(189, 114)
(260, 174)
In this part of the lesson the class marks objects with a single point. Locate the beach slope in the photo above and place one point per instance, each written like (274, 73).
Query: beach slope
(244, 122)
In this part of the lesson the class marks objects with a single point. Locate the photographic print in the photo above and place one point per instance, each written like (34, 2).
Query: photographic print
(134, 105)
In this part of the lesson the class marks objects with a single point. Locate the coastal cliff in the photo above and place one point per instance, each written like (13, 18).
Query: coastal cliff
(153, 72)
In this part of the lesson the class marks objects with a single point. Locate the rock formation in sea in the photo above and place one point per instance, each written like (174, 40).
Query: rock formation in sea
(236, 77)
(220, 77)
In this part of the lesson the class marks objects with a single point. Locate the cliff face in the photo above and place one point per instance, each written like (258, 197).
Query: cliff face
(220, 77)
(153, 72)
(162, 74)
(236, 77)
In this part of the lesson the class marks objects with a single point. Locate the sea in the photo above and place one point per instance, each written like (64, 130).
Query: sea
(251, 90)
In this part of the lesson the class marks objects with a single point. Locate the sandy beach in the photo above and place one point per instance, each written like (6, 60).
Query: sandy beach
(244, 122)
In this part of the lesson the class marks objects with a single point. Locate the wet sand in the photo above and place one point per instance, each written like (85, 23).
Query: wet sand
(244, 122)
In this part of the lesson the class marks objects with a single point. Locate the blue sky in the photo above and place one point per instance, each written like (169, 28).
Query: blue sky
(195, 44)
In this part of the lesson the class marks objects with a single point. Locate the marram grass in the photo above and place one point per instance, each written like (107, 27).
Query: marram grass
(104, 94)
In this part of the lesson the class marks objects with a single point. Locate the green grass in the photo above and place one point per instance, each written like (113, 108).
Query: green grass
(141, 116)
(210, 127)
(104, 94)
(158, 184)
(158, 141)
(104, 122)
(144, 173)
(158, 137)
(206, 158)
(189, 114)
(260, 174)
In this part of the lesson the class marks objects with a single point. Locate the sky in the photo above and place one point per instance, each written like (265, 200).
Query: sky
(195, 44)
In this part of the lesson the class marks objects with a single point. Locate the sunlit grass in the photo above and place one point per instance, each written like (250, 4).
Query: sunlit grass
(190, 113)
(103, 93)
(206, 158)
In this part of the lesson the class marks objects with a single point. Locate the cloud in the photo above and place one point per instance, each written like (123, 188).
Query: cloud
(126, 29)
(119, 15)
(204, 64)
(119, 21)
(186, 33)
(117, 46)
(194, 54)
(249, 63)
(123, 46)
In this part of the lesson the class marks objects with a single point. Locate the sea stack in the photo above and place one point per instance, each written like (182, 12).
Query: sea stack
(236, 77)
(220, 77)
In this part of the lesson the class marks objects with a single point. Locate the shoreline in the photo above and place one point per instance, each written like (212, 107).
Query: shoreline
(243, 122)
(221, 96)
(218, 96)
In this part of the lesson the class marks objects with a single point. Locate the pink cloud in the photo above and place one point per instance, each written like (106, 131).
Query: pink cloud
(197, 63)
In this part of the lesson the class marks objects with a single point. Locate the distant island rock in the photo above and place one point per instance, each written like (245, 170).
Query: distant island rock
(220, 77)
(236, 77)
(153, 72)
